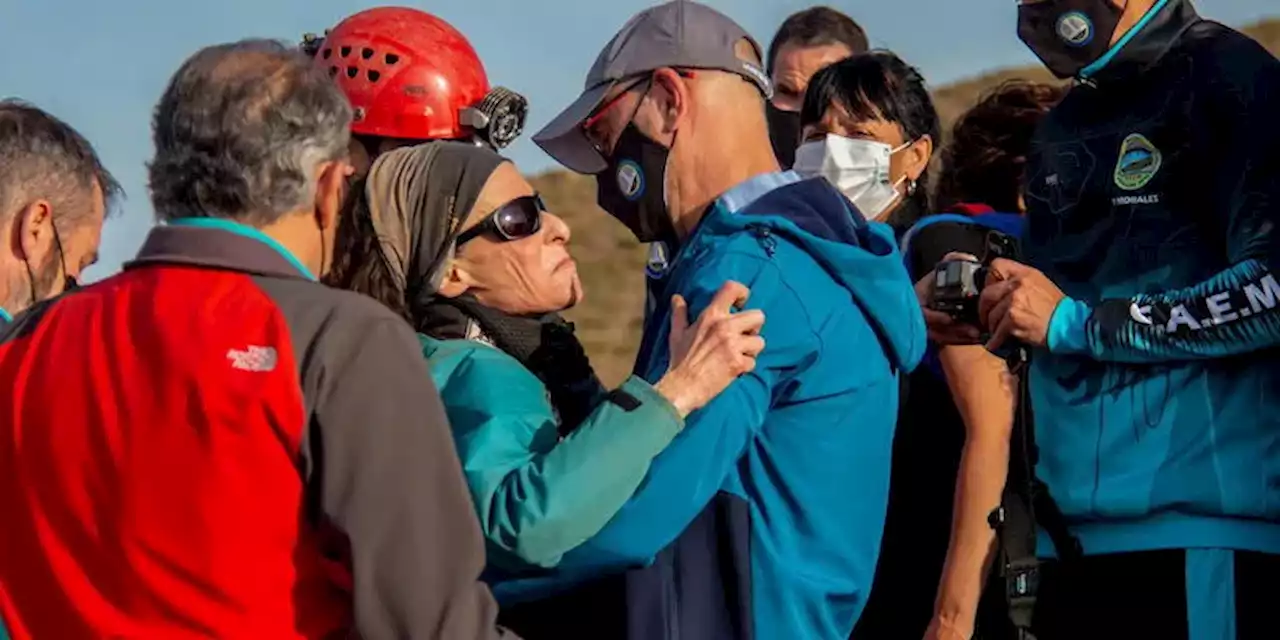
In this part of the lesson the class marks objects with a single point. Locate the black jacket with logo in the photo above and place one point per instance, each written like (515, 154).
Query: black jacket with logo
(1155, 175)
(1152, 200)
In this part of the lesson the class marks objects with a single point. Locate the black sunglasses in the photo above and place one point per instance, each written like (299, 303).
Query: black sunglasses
(514, 220)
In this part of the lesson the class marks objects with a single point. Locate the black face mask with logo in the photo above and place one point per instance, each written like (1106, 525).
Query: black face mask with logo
(631, 188)
(1068, 35)
(784, 134)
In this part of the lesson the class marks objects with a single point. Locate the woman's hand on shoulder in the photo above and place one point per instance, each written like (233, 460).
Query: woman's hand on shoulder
(709, 354)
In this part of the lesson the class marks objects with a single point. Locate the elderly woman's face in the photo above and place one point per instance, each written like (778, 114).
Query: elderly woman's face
(532, 274)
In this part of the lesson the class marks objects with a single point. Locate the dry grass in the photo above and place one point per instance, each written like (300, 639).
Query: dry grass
(612, 262)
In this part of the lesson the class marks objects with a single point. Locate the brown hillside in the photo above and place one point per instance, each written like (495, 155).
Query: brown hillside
(612, 262)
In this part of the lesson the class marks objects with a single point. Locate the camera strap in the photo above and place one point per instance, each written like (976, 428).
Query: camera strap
(1025, 504)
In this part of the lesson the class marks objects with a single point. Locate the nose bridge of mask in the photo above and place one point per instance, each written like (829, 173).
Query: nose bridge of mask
(845, 154)
(858, 168)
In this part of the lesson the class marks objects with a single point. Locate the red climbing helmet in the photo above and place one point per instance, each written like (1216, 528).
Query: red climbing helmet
(411, 75)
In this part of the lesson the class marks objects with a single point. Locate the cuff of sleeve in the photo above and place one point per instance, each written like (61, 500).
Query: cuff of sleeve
(647, 395)
(1069, 327)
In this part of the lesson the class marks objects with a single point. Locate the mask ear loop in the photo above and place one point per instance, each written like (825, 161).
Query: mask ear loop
(911, 182)
(31, 279)
(324, 255)
(62, 262)
(62, 257)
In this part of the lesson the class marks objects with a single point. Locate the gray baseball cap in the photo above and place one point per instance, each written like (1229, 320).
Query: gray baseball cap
(678, 34)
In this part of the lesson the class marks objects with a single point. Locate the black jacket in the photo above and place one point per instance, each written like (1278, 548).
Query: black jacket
(1152, 179)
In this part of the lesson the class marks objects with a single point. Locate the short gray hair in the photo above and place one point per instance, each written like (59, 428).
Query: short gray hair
(240, 131)
(42, 157)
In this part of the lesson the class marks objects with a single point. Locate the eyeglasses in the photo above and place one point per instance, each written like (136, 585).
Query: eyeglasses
(519, 218)
(588, 125)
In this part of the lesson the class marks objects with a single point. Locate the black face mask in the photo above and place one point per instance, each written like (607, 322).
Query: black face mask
(784, 133)
(631, 188)
(1068, 35)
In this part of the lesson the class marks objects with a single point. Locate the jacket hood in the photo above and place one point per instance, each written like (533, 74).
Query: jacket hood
(862, 256)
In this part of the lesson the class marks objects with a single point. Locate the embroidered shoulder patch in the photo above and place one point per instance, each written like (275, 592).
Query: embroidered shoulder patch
(1138, 164)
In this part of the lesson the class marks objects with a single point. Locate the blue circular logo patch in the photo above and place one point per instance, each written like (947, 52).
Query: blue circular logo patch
(659, 260)
(630, 180)
(1075, 29)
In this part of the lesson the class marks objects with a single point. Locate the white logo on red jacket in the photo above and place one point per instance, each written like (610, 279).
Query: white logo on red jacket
(253, 358)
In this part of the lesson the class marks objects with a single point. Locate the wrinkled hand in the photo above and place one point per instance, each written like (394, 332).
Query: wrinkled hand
(943, 329)
(1017, 303)
(708, 355)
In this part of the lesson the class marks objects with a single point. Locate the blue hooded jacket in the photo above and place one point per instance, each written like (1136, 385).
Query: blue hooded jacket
(763, 518)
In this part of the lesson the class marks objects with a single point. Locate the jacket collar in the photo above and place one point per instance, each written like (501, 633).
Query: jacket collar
(218, 244)
(1145, 44)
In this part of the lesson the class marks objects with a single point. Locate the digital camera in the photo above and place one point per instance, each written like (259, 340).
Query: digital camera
(958, 283)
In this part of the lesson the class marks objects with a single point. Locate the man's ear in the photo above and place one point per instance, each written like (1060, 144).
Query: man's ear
(34, 226)
(671, 95)
(918, 155)
(330, 192)
(456, 280)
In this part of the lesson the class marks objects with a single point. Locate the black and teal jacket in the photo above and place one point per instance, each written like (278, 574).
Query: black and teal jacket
(1153, 195)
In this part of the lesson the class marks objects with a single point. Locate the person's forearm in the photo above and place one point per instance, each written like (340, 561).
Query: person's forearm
(1236, 311)
(540, 506)
(979, 485)
(983, 392)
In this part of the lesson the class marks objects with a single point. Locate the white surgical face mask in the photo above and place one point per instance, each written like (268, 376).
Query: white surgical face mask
(858, 168)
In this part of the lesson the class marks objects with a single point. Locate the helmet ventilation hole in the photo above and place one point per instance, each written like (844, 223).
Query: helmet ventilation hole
(346, 51)
(352, 72)
(373, 75)
(327, 53)
(366, 53)
(391, 58)
(333, 71)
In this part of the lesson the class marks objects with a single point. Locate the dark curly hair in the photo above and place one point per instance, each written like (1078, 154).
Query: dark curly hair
(984, 161)
(358, 264)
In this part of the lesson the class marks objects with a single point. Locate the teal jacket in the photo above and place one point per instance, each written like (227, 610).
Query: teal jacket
(538, 496)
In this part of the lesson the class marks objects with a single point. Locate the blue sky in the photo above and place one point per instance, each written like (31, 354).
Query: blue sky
(102, 65)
